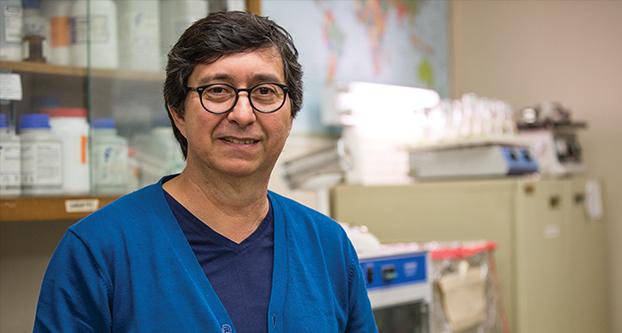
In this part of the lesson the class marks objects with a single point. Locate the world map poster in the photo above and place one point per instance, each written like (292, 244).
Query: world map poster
(402, 42)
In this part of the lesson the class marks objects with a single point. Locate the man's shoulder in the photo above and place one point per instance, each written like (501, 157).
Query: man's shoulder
(120, 213)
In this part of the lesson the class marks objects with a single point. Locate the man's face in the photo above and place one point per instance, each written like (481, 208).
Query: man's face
(242, 142)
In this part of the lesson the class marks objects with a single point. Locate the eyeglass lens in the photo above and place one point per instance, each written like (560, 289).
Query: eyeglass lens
(266, 97)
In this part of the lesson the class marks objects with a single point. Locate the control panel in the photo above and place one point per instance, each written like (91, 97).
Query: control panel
(394, 270)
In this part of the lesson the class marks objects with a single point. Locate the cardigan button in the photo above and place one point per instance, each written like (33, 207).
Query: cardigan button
(226, 328)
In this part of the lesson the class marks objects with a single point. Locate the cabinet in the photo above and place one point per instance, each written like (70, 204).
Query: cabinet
(132, 97)
(550, 256)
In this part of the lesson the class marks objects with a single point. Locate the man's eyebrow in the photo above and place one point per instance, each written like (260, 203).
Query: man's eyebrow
(254, 79)
(259, 78)
(215, 77)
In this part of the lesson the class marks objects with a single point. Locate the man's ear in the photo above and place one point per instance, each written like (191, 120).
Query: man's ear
(179, 120)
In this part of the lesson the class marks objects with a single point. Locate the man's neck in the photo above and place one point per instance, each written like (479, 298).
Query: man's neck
(231, 206)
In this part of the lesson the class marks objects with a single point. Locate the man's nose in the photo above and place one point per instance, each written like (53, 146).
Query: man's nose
(242, 112)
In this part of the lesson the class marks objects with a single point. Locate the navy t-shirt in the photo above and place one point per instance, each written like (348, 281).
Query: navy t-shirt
(241, 274)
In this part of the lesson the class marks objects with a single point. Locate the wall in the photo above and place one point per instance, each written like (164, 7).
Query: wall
(25, 249)
(401, 42)
(568, 51)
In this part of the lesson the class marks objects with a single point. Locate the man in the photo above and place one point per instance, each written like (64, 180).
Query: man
(211, 249)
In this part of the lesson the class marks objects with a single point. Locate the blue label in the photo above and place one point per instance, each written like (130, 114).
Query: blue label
(394, 271)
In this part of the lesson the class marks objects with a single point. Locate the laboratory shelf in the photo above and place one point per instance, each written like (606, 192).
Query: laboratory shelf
(57, 208)
(47, 69)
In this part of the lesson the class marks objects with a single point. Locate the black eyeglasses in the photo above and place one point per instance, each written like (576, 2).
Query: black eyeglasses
(219, 98)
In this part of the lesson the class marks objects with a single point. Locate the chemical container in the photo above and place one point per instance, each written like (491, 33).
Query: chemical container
(41, 156)
(10, 160)
(110, 158)
(71, 126)
(11, 30)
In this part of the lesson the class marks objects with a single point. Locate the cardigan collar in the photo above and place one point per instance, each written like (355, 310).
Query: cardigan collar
(179, 244)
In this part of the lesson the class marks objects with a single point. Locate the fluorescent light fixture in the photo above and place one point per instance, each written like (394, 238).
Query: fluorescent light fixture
(383, 99)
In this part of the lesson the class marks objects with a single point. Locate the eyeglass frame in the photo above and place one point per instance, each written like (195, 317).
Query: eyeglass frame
(200, 89)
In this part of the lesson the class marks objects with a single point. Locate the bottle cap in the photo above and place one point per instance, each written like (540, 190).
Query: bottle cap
(65, 112)
(104, 123)
(46, 102)
(3, 122)
(34, 120)
(31, 4)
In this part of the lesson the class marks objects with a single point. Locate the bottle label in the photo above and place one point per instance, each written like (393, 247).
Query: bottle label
(60, 32)
(10, 165)
(13, 23)
(100, 32)
(142, 36)
(110, 162)
(79, 29)
(42, 164)
(99, 29)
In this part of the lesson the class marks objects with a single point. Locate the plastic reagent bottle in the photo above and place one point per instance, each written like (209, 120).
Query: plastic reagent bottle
(41, 152)
(59, 32)
(10, 160)
(71, 126)
(139, 35)
(175, 18)
(109, 158)
(94, 34)
(11, 30)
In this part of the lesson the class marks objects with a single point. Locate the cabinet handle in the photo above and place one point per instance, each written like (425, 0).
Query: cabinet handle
(554, 201)
(579, 198)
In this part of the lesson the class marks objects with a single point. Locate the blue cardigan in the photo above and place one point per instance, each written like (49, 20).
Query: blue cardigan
(129, 268)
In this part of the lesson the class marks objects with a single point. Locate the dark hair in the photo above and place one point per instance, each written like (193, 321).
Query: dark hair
(221, 34)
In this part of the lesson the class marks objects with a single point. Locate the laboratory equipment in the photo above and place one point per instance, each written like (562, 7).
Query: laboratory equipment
(399, 288)
(553, 136)
(471, 159)
(317, 171)
(466, 294)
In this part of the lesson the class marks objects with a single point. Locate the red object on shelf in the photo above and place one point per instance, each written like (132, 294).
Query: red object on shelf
(65, 112)
(462, 251)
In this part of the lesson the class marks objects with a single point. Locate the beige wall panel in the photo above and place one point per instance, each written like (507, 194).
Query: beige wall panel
(25, 249)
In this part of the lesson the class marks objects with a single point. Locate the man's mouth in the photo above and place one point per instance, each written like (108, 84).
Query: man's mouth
(239, 141)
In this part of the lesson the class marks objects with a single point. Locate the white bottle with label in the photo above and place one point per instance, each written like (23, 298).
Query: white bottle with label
(109, 158)
(11, 30)
(71, 126)
(94, 43)
(164, 145)
(175, 17)
(139, 34)
(42, 172)
(10, 160)
(59, 31)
